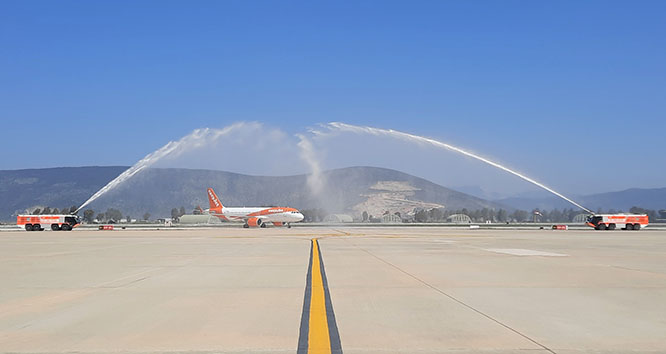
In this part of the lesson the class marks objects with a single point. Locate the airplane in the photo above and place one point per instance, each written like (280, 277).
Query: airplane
(253, 216)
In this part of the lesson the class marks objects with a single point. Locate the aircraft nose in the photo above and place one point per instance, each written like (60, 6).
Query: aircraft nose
(299, 216)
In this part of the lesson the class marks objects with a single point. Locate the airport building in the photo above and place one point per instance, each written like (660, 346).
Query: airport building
(190, 219)
(391, 219)
(459, 219)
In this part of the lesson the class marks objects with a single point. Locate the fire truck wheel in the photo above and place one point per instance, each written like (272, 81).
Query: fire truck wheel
(601, 227)
(629, 227)
(28, 227)
(637, 226)
(65, 227)
(37, 227)
(611, 227)
(55, 227)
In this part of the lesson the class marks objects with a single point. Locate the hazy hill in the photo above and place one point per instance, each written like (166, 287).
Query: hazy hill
(349, 190)
(649, 198)
(157, 191)
(55, 187)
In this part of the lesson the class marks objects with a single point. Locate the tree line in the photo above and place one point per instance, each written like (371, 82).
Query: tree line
(536, 215)
(419, 215)
(111, 215)
(114, 215)
(489, 215)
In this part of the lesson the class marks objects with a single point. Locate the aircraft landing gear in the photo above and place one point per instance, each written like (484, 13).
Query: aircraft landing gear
(246, 226)
(289, 225)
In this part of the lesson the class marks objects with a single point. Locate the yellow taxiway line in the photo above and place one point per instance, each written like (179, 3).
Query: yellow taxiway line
(319, 331)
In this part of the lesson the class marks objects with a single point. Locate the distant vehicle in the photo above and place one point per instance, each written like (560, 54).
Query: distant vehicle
(253, 216)
(55, 222)
(613, 221)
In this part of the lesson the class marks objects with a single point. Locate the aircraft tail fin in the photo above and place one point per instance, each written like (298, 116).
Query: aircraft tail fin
(213, 200)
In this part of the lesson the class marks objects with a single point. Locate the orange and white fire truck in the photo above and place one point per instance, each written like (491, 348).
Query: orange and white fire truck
(613, 221)
(55, 222)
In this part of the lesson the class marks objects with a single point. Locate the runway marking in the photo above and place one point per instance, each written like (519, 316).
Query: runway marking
(544, 347)
(319, 331)
(525, 252)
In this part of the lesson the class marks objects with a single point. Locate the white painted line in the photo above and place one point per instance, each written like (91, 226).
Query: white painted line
(524, 252)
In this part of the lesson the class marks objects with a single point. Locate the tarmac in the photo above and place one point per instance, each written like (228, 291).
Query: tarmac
(351, 290)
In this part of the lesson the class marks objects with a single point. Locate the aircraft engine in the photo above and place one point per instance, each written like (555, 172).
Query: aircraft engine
(254, 222)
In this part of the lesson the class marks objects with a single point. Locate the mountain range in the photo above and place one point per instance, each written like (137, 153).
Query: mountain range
(648, 198)
(349, 190)
(156, 191)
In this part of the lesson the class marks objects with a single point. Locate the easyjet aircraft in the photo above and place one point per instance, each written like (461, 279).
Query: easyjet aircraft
(253, 216)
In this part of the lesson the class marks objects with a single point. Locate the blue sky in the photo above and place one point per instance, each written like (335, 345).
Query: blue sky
(567, 90)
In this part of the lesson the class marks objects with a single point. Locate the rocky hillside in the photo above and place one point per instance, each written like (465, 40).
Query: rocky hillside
(157, 191)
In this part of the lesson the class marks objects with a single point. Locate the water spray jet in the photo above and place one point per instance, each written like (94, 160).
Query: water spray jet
(196, 139)
(343, 127)
(201, 137)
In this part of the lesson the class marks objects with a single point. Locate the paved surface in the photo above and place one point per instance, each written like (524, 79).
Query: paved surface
(392, 290)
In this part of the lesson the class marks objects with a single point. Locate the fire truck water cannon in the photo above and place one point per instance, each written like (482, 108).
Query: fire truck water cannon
(613, 221)
(57, 222)
(622, 221)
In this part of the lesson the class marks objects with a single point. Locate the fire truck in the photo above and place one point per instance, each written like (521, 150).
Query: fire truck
(55, 222)
(613, 221)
